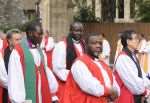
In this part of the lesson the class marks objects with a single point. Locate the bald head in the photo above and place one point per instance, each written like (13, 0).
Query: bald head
(75, 25)
(76, 30)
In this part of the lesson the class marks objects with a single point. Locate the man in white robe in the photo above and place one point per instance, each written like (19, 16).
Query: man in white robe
(42, 85)
(64, 54)
(91, 80)
(130, 76)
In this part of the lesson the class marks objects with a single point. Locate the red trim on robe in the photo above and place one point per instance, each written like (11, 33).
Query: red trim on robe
(125, 95)
(1, 94)
(77, 51)
(5, 44)
(60, 92)
(73, 93)
(20, 51)
(45, 91)
(46, 94)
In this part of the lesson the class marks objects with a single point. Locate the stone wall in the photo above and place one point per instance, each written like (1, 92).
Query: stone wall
(28, 4)
(56, 16)
(11, 12)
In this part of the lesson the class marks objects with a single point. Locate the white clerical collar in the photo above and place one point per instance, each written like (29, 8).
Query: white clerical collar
(75, 41)
(96, 59)
(34, 46)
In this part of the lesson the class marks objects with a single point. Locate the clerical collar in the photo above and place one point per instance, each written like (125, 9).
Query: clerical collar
(76, 41)
(93, 57)
(96, 59)
(31, 45)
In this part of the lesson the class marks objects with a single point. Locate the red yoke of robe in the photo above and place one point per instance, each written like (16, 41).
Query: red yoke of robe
(73, 94)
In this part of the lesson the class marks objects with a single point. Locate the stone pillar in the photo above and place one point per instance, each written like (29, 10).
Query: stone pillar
(59, 18)
(127, 10)
(89, 3)
(44, 14)
(117, 11)
(56, 17)
(48, 16)
(98, 8)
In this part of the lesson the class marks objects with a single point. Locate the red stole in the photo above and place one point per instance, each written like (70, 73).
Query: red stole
(125, 95)
(45, 91)
(5, 44)
(73, 94)
(1, 94)
(60, 92)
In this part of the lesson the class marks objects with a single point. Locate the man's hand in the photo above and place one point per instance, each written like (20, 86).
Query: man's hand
(113, 94)
(147, 93)
(55, 101)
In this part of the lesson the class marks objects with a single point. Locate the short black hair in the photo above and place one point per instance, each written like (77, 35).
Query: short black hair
(31, 27)
(91, 34)
(11, 32)
(126, 35)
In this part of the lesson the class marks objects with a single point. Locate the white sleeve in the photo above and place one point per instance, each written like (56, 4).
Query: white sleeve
(143, 45)
(59, 61)
(128, 73)
(106, 48)
(3, 73)
(116, 86)
(147, 48)
(146, 80)
(50, 44)
(16, 88)
(53, 84)
(85, 80)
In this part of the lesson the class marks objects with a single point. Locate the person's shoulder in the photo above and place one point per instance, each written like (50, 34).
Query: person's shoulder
(80, 61)
(123, 57)
(60, 44)
(83, 58)
(18, 48)
(105, 41)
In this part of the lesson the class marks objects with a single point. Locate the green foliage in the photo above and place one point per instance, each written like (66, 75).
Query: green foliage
(84, 13)
(143, 13)
(5, 27)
